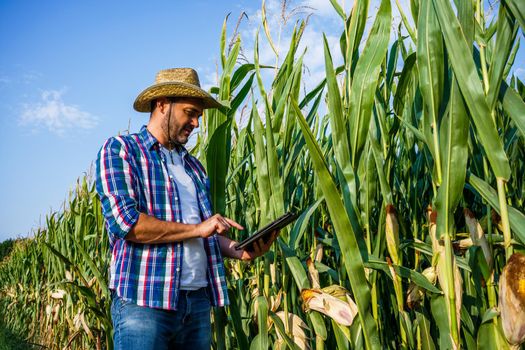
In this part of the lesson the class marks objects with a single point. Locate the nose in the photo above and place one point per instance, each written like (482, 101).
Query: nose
(195, 122)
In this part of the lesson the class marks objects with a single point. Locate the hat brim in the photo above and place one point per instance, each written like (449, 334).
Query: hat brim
(172, 89)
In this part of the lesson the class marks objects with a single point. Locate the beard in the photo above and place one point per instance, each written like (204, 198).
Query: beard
(177, 133)
(183, 134)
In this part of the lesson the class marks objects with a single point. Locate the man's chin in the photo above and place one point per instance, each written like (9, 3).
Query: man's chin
(182, 140)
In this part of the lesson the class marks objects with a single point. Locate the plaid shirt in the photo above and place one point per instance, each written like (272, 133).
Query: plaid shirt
(131, 179)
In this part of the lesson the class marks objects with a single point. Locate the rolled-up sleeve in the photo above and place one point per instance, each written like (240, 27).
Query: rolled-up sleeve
(114, 186)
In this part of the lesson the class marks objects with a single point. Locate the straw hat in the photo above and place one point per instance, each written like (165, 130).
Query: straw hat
(174, 82)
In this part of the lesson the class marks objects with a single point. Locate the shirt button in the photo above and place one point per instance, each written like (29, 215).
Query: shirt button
(171, 177)
(177, 269)
(176, 198)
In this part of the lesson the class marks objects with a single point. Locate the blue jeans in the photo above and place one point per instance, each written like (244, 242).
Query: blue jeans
(143, 328)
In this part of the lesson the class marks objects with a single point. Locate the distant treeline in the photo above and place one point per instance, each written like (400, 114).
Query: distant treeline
(6, 247)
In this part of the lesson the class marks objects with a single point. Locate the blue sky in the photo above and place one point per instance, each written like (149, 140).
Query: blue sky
(70, 71)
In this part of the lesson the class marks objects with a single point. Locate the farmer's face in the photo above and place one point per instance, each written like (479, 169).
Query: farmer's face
(184, 117)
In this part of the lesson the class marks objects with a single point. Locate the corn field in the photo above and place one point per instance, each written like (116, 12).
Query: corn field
(407, 165)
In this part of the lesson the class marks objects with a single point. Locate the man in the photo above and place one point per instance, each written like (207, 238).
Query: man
(167, 245)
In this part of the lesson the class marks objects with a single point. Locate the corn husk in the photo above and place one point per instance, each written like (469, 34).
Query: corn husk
(512, 299)
(69, 276)
(392, 233)
(415, 293)
(297, 332)
(319, 249)
(58, 294)
(313, 274)
(56, 313)
(477, 236)
(342, 312)
(438, 260)
(49, 310)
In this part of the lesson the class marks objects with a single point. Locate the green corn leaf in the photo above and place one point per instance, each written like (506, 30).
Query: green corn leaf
(261, 341)
(431, 76)
(418, 134)
(345, 235)
(402, 271)
(267, 28)
(405, 89)
(404, 18)
(292, 81)
(506, 36)
(240, 97)
(223, 42)
(426, 249)
(272, 159)
(423, 327)
(286, 71)
(337, 119)
(465, 14)
(94, 269)
(262, 171)
(339, 136)
(516, 218)
(354, 32)
(440, 316)
(453, 140)
(240, 73)
(392, 62)
(342, 335)
(518, 11)
(66, 261)
(240, 336)
(217, 161)
(219, 325)
(366, 78)
(380, 163)
(300, 225)
(225, 85)
(471, 89)
(338, 9)
(414, 8)
(514, 106)
(490, 335)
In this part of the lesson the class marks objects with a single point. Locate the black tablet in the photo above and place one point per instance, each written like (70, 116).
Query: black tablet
(267, 230)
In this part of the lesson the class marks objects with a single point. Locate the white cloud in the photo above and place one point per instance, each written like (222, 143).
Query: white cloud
(30, 77)
(323, 19)
(53, 114)
(324, 8)
(520, 73)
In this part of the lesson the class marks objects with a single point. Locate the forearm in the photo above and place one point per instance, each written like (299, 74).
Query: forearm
(151, 230)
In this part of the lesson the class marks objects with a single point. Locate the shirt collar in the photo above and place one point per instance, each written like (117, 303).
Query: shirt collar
(147, 138)
(152, 143)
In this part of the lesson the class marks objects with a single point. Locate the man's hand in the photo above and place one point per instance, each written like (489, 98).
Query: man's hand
(215, 224)
(259, 247)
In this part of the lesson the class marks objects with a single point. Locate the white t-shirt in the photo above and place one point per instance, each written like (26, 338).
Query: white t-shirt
(194, 263)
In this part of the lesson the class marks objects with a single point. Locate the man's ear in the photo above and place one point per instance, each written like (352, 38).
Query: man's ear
(162, 104)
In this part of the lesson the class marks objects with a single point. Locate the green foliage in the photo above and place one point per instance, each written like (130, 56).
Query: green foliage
(6, 247)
